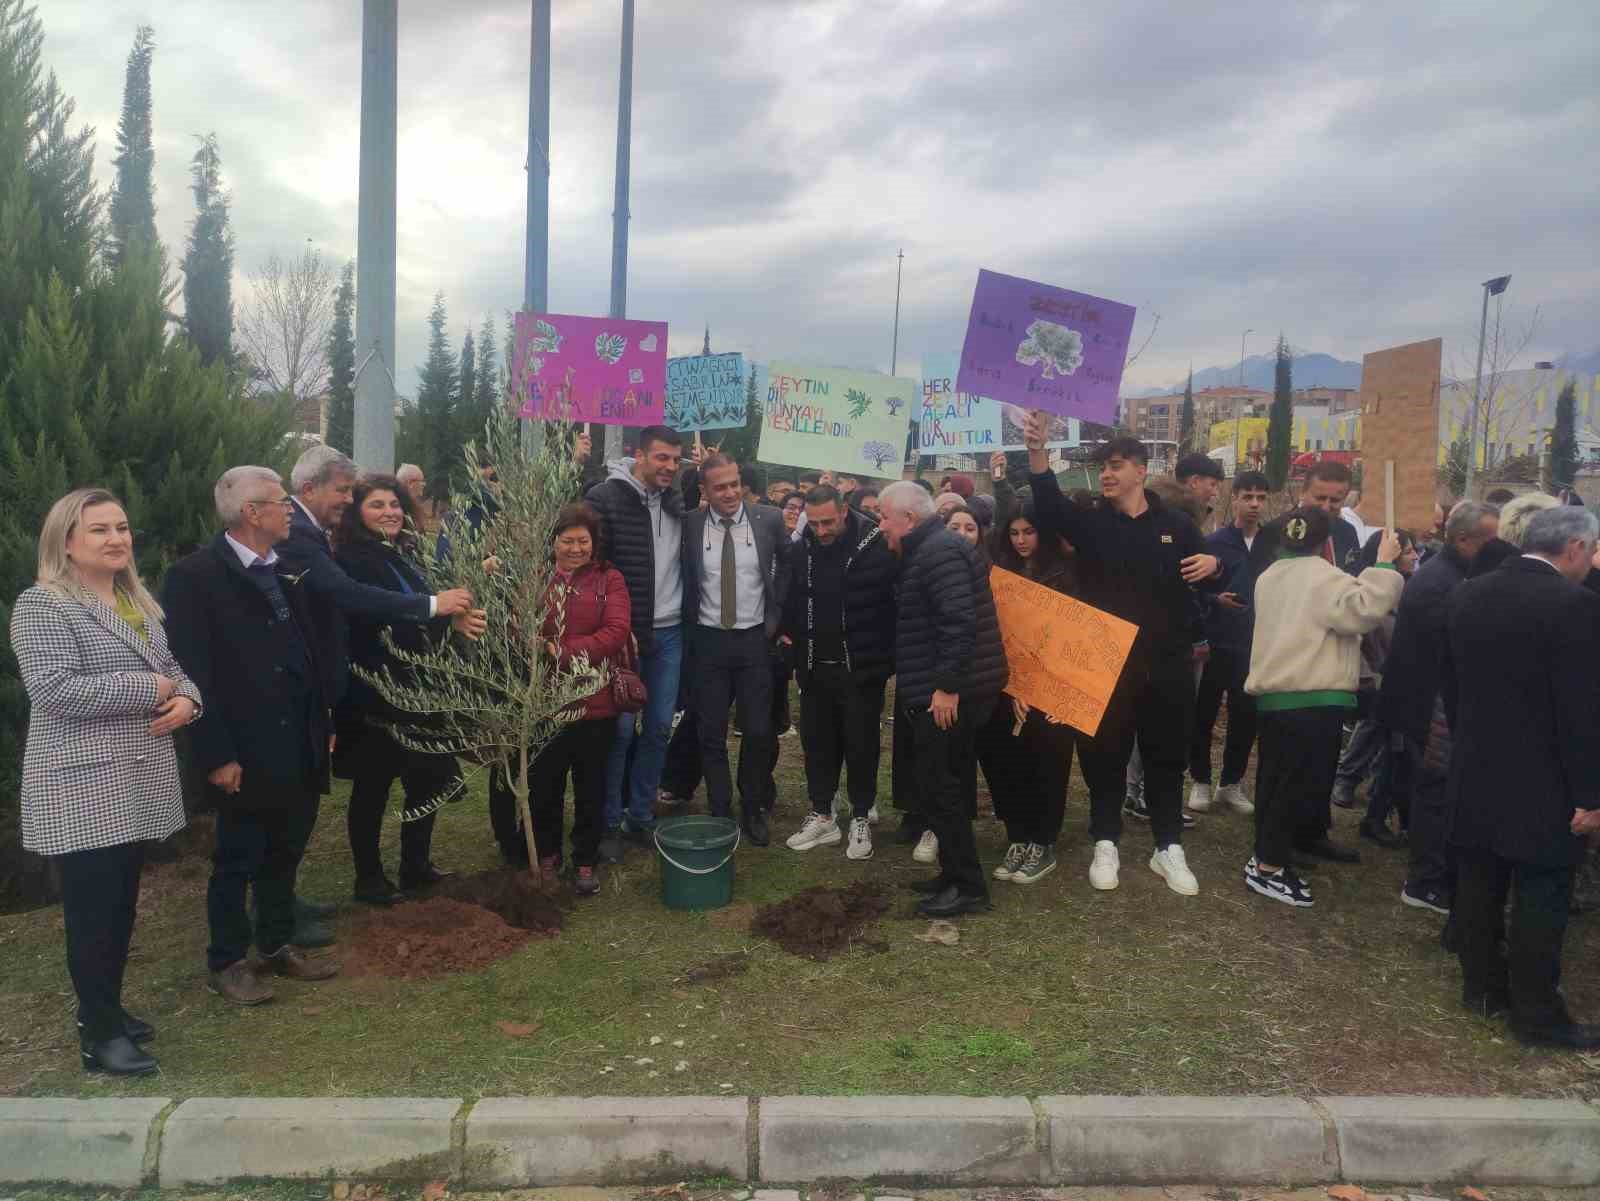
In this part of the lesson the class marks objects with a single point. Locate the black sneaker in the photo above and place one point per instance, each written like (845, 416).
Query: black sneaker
(1281, 885)
(1425, 898)
(1135, 807)
(610, 848)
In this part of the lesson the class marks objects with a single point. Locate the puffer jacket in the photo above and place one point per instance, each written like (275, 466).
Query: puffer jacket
(596, 624)
(869, 604)
(627, 542)
(948, 635)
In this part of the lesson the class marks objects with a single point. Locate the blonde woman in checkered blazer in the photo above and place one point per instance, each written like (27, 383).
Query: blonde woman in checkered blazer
(99, 775)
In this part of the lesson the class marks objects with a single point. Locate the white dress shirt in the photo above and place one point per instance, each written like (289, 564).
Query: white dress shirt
(751, 608)
(248, 557)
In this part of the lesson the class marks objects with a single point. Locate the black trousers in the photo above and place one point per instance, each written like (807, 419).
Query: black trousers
(1223, 675)
(503, 817)
(425, 779)
(680, 774)
(99, 901)
(260, 848)
(581, 750)
(1299, 758)
(733, 668)
(1155, 704)
(1432, 864)
(1027, 772)
(946, 771)
(839, 714)
(902, 779)
(1531, 968)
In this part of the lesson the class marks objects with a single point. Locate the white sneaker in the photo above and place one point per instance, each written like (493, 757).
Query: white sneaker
(860, 840)
(1107, 865)
(1200, 797)
(872, 814)
(927, 848)
(818, 831)
(1170, 863)
(1232, 795)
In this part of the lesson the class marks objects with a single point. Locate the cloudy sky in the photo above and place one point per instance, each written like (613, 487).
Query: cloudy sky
(1345, 172)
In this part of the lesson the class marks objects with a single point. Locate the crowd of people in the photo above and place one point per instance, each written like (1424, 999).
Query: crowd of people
(1343, 654)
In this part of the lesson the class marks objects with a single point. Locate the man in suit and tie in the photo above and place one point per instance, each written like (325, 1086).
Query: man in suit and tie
(240, 623)
(1523, 696)
(732, 604)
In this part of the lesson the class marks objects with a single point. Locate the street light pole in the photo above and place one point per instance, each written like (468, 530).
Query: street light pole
(536, 261)
(619, 206)
(894, 352)
(1491, 287)
(1238, 412)
(375, 237)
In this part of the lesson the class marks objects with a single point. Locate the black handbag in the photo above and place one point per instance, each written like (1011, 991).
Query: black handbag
(628, 692)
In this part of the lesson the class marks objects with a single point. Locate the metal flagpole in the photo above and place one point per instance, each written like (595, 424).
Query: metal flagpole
(375, 237)
(619, 208)
(536, 262)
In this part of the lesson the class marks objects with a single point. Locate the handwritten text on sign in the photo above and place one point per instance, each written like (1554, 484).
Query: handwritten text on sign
(601, 369)
(706, 392)
(834, 419)
(1065, 656)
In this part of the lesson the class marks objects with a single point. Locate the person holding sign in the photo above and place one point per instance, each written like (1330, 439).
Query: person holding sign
(1137, 560)
(951, 667)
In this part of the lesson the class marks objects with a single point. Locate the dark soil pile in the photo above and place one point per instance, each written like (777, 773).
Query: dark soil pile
(434, 937)
(509, 893)
(818, 922)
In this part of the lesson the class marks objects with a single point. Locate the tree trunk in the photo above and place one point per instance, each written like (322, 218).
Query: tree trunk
(525, 812)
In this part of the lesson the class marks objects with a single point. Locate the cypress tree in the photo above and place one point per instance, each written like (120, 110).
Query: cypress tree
(437, 448)
(133, 195)
(1564, 438)
(342, 365)
(1186, 430)
(208, 260)
(1280, 422)
(467, 427)
(489, 386)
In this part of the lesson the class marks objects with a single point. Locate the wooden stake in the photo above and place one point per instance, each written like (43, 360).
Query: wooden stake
(1388, 494)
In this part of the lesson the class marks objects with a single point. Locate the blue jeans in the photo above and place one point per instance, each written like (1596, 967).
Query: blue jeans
(659, 671)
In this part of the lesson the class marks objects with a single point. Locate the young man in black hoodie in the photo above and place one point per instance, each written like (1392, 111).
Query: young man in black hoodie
(1137, 560)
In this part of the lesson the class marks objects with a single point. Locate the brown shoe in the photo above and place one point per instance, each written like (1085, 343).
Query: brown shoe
(289, 960)
(239, 983)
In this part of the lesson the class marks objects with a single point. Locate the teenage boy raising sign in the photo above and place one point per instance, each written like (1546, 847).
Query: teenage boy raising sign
(1138, 560)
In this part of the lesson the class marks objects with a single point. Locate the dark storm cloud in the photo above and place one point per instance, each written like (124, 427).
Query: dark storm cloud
(1345, 172)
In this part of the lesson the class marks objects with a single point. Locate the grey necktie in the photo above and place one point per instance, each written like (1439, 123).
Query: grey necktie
(730, 590)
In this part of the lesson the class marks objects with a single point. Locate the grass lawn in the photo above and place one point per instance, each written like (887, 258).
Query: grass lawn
(1059, 989)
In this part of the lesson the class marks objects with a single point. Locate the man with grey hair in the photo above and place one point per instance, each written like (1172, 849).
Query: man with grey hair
(1524, 784)
(241, 624)
(415, 481)
(952, 668)
(1410, 696)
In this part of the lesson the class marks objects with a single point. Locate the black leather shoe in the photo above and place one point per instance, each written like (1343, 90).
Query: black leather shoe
(416, 880)
(639, 836)
(930, 887)
(1568, 1035)
(756, 828)
(312, 934)
(952, 902)
(117, 1057)
(378, 890)
(1382, 836)
(137, 1029)
(610, 849)
(314, 911)
(1324, 848)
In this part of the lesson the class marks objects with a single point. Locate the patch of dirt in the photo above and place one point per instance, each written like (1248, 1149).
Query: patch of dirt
(818, 923)
(720, 967)
(434, 937)
(733, 917)
(509, 893)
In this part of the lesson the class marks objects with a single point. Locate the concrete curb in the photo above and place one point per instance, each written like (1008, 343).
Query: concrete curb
(563, 1141)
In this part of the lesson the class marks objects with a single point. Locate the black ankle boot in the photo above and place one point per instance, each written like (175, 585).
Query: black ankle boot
(117, 1056)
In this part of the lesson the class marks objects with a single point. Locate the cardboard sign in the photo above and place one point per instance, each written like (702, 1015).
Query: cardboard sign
(705, 392)
(1046, 348)
(833, 419)
(601, 369)
(950, 421)
(1065, 656)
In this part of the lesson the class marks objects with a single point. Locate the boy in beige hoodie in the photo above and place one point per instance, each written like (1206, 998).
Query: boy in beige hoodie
(1305, 665)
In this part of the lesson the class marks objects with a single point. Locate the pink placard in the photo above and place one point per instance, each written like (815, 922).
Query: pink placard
(607, 370)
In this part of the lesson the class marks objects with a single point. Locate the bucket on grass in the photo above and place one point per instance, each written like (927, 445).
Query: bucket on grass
(696, 861)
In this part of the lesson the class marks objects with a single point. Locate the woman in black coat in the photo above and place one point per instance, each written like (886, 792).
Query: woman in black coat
(376, 546)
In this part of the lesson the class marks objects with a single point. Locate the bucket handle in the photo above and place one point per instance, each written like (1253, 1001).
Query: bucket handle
(697, 871)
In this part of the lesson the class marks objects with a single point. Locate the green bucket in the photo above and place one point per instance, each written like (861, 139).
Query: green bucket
(696, 855)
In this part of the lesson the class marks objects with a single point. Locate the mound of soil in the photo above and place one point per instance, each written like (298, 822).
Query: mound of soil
(433, 937)
(818, 922)
(509, 893)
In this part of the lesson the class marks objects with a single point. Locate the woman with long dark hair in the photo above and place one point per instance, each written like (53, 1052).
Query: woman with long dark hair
(377, 546)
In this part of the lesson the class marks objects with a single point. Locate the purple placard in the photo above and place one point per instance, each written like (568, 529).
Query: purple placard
(602, 369)
(1045, 348)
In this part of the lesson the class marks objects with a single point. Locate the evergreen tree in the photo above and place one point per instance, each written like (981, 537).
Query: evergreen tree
(1454, 473)
(437, 446)
(742, 442)
(1186, 422)
(133, 195)
(1564, 438)
(1280, 422)
(342, 365)
(466, 395)
(489, 386)
(208, 260)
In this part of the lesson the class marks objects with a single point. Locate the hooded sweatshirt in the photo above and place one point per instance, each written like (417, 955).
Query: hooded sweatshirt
(667, 531)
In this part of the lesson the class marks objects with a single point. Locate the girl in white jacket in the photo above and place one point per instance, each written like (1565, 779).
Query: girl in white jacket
(1305, 665)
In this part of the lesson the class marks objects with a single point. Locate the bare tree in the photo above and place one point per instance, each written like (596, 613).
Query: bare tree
(285, 323)
(1508, 409)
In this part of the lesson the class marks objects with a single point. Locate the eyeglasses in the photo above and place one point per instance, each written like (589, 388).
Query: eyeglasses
(286, 501)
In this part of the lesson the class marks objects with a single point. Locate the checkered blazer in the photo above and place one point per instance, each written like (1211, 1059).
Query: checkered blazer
(92, 775)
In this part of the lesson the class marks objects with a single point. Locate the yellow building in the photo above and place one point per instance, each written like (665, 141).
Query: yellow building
(1249, 434)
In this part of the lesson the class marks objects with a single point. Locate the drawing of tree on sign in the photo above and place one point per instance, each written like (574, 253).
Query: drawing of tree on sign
(609, 347)
(894, 403)
(877, 453)
(545, 340)
(1053, 347)
(860, 402)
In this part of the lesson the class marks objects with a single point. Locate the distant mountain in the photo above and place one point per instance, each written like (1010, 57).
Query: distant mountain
(1580, 364)
(1310, 371)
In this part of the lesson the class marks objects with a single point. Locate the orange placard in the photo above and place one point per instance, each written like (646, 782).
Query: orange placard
(1065, 656)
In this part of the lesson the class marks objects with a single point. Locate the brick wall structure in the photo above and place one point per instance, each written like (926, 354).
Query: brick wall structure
(1400, 423)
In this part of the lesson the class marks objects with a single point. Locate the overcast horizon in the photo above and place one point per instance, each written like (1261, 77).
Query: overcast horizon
(1347, 173)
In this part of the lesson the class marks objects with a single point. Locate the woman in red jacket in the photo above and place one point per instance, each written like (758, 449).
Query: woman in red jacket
(588, 614)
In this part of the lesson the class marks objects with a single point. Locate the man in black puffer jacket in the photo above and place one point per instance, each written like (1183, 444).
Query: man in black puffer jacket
(951, 667)
(839, 620)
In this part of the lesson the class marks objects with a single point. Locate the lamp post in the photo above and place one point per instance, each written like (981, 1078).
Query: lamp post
(619, 206)
(1491, 287)
(1238, 412)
